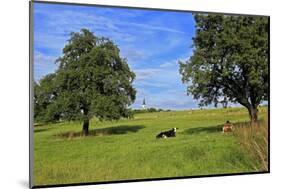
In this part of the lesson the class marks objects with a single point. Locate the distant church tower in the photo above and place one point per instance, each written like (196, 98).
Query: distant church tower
(143, 104)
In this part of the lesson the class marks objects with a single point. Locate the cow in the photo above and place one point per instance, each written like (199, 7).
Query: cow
(227, 127)
(170, 133)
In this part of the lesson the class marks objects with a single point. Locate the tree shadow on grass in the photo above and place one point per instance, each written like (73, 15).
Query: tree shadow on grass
(40, 130)
(115, 130)
(198, 130)
(217, 128)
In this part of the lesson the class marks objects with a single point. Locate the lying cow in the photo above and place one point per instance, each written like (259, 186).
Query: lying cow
(227, 127)
(170, 133)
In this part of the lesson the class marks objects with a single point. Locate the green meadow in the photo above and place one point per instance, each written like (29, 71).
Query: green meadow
(127, 149)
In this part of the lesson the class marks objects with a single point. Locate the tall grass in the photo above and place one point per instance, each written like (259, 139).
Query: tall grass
(254, 139)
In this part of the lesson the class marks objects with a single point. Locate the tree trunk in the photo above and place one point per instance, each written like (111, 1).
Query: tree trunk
(85, 130)
(253, 113)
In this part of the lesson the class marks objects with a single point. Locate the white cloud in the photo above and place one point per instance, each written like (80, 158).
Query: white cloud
(152, 27)
(174, 62)
(145, 74)
(53, 31)
(166, 99)
(43, 64)
(167, 64)
(132, 53)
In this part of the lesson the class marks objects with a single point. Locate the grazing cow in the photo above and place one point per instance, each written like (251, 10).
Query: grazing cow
(227, 127)
(170, 133)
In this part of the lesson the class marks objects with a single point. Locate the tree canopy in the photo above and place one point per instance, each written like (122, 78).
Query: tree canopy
(91, 80)
(230, 60)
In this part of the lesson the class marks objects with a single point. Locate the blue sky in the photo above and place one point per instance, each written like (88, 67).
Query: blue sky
(152, 41)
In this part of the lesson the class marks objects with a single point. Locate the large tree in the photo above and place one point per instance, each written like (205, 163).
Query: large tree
(230, 60)
(91, 80)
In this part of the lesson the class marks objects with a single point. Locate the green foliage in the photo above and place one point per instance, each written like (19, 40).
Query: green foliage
(91, 80)
(230, 59)
(44, 98)
(152, 109)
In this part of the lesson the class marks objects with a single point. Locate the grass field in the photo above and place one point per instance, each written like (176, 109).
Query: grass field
(128, 149)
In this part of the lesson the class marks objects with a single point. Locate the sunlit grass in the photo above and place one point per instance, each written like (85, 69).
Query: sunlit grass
(127, 149)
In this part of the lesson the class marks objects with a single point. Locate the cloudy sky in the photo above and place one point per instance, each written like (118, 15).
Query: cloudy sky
(152, 41)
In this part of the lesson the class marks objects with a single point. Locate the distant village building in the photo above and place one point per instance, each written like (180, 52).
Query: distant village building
(143, 104)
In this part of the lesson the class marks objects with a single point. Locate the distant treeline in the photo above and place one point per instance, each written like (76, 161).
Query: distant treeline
(150, 110)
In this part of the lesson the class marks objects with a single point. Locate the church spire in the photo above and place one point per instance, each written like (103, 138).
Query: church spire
(143, 104)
